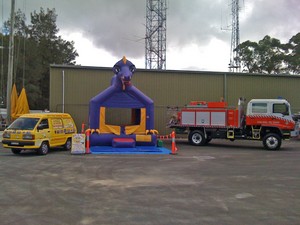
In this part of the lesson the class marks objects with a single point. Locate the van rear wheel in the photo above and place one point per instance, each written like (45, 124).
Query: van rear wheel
(44, 148)
(68, 144)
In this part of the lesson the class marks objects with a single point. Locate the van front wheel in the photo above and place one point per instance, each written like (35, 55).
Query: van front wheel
(44, 149)
(68, 145)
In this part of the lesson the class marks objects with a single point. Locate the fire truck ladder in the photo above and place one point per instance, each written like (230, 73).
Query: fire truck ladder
(256, 132)
(230, 133)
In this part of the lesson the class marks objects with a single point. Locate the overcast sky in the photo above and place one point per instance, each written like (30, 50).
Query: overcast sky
(198, 35)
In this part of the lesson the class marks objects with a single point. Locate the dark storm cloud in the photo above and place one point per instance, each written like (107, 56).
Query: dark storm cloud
(118, 26)
(194, 23)
(278, 19)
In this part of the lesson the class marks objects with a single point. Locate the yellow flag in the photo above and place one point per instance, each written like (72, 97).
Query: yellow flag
(22, 106)
(13, 100)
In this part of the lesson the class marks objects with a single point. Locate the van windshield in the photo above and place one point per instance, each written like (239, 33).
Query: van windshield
(24, 124)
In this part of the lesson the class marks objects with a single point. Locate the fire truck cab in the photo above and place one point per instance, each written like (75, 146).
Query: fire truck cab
(266, 120)
(279, 107)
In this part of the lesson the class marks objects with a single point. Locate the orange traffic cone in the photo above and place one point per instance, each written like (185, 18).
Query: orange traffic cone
(82, 128)
(87, 150)
(174, 148)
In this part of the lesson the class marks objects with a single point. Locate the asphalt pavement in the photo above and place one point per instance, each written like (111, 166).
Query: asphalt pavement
(222, 183)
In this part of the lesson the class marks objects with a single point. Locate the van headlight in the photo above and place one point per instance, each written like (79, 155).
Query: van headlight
(6, 134)
(28, 136)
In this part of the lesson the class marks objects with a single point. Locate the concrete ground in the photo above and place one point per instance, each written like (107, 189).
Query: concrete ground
(222, 183)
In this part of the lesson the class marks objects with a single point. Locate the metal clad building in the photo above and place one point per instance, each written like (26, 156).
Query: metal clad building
(72, 87)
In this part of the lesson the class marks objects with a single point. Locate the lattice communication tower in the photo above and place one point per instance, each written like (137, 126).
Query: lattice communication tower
(234, 64)
(156, 29)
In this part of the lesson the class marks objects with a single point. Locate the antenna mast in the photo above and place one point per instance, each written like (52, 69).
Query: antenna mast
(155, 41)
(234, 64)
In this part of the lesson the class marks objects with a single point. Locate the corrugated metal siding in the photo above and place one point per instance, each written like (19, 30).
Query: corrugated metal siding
(179, 88)
(166, 88)
(264, 86)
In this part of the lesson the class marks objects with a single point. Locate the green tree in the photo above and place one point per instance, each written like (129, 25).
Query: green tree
(38, 45)
(270, 52)
(248, 56)
(266, 56)
(49, 47)
(293, 57)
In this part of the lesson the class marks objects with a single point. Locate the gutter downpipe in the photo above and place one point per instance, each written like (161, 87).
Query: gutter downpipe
(63, 91)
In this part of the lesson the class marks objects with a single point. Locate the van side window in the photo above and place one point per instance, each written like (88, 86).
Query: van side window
(44, 124)
(259, 107)
(57, 123)
(68, 123)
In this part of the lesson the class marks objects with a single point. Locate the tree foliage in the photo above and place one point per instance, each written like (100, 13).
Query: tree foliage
(293, 58)
(37, 45)
(270, 56)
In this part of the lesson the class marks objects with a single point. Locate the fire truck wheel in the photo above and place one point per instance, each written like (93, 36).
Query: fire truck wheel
(197, 137)
(272, 141)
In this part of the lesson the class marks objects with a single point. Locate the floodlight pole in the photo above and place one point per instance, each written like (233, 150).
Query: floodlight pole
(10, 62)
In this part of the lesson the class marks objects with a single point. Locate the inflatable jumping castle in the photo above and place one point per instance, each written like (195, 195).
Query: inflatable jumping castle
(122, 94)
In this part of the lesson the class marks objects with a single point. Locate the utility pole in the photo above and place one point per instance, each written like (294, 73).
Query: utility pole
(234, 64)
(10, 62)
(156, 29)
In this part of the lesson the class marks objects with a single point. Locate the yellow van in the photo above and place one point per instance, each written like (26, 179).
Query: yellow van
(39, 131)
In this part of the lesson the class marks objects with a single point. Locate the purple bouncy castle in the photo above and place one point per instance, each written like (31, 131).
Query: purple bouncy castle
(122, 94)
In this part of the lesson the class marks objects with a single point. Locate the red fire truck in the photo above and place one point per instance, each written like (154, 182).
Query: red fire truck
(266, 120)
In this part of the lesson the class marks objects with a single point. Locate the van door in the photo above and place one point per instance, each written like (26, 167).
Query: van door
(43, 132)
(57, 132)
